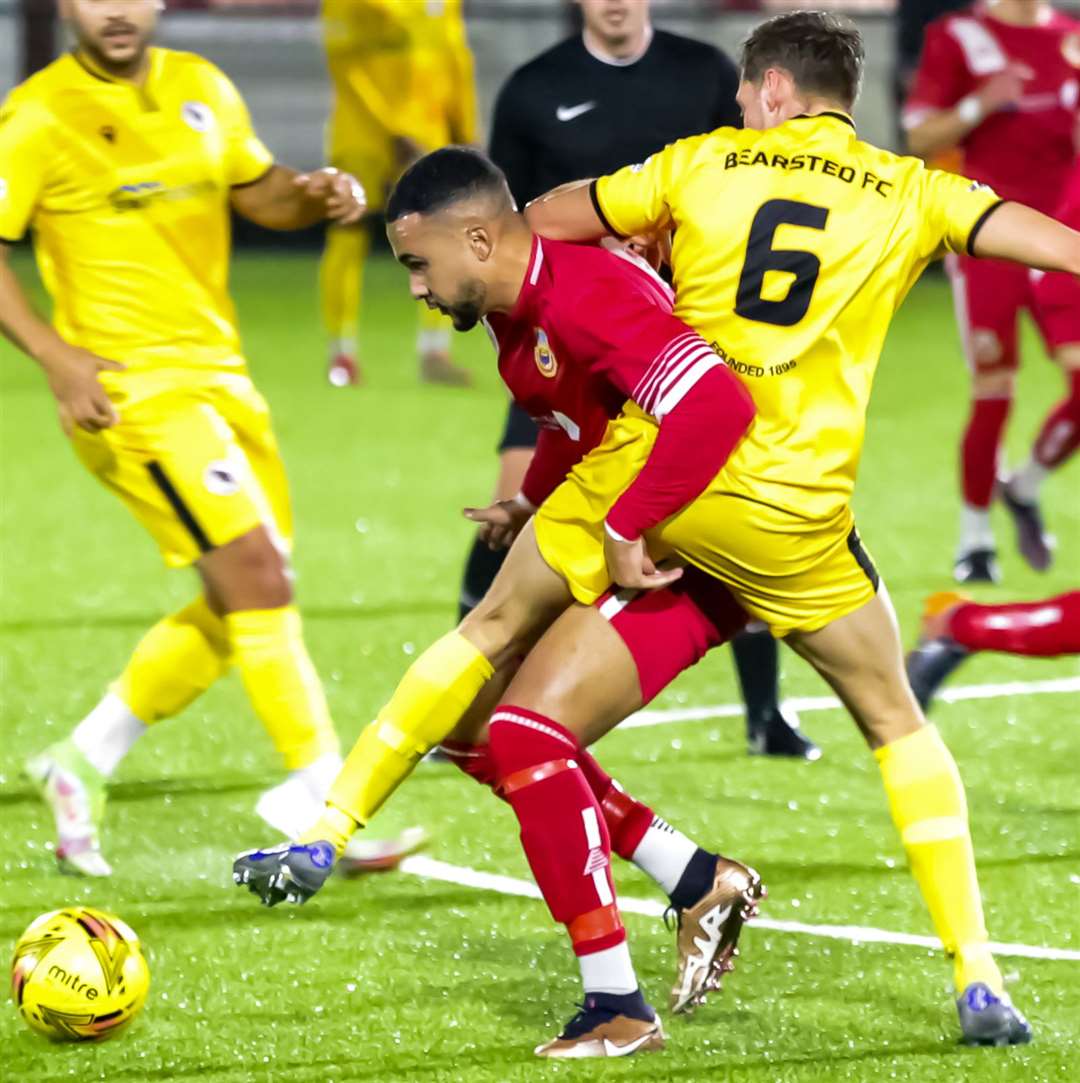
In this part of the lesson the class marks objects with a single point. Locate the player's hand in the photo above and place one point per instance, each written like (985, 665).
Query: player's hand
(1005, 88)
(72, 373)
(501, 522)
(287, 873)
(630, 565)
(342, 194)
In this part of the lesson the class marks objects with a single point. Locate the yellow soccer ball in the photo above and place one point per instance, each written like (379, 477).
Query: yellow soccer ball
(79, 975)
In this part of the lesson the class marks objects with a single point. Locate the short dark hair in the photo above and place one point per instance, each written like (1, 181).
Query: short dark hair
(444, 177)
(824, 53)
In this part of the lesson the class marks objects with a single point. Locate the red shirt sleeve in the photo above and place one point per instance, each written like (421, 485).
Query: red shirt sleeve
(623, 336)
(671, 372)
(942, 78)
(694, 442)
(555, 456)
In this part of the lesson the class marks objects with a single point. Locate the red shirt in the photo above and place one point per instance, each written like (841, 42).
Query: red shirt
(1068, 210)
(592, 328)
(1023, 153)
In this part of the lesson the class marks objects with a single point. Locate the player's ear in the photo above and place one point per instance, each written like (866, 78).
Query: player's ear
(479, 240)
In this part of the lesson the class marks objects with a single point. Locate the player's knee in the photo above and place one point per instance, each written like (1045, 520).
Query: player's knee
(501, 632)
(993, 383)
(250, 572)
(989, 353)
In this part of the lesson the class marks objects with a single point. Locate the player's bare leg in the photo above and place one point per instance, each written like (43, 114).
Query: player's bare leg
(860, 656)
(1056, 443)
(992, 393)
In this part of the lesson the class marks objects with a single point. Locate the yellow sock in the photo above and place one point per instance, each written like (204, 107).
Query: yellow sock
(928, 806)
(341, 275)
(177, 660)
(268, 649)
(435, 692)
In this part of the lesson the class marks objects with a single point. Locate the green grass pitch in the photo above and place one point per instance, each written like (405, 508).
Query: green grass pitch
(397, 977)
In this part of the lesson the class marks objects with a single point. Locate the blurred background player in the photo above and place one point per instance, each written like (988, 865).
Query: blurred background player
(614, 94)
(402, 79)
(125, 160)
(1001, 81)
(1058, 299)
(954, 628)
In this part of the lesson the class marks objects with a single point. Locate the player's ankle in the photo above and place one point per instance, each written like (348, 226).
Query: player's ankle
(632, 1004)
(696, 880)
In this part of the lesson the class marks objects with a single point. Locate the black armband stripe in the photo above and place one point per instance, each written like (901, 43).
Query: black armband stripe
(600, 213)
(970, 246)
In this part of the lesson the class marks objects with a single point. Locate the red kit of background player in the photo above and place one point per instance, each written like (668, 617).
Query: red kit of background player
(1025, 150)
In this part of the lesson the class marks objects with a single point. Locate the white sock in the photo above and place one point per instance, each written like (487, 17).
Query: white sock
(1026, 482)
(663, 854)
(346, 344)
(608, 971)
(319, 776)
(433, 340)
(106, 734)
(975, 529)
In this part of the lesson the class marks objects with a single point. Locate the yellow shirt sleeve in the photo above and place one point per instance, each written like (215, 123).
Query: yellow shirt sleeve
(24, 157)
(246, 156)
(953, 210)
(639, 198)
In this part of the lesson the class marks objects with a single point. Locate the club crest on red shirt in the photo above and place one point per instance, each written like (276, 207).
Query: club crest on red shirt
(545, 359)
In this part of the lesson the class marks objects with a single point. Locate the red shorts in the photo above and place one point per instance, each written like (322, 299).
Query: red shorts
(672, 629)
(989, 295)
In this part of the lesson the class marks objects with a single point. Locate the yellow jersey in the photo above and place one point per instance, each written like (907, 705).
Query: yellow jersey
(793, 247)
(404, 69)
(126, 188)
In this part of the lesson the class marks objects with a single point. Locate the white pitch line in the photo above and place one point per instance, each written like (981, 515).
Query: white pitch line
(829, 703)
(429, 869)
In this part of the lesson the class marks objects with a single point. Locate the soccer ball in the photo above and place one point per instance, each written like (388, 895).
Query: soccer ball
(79, 975)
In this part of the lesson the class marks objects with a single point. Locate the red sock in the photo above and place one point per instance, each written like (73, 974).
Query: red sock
(1044, 629)
(627, 819)
(1060, 434)
(979, 451)
(563, 831)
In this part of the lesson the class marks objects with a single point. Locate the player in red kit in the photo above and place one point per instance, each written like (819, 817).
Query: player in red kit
(1000, 80)
(584, 372)
(1058, 299)
(955, 627)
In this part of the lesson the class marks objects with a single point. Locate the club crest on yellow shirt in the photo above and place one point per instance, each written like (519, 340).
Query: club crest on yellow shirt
(545, 359)
(197, 116)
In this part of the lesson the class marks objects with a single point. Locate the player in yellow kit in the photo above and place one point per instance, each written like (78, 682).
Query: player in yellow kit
(402, 78)
(124, 161)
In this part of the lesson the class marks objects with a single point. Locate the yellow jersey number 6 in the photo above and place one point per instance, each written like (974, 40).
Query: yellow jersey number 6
(761, 257)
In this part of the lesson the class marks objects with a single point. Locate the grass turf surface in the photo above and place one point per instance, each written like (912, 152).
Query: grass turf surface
(395, 977)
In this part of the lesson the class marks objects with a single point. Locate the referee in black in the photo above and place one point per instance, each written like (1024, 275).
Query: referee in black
(614, 94)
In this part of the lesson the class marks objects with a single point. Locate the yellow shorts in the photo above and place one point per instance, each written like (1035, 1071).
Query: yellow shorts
(198, 467)
(793, 574)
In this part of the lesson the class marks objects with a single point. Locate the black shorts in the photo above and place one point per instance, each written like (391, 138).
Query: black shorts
(520, 430)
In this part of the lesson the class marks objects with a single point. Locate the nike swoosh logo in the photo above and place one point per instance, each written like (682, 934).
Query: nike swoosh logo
(569, 112)
(613, 1050)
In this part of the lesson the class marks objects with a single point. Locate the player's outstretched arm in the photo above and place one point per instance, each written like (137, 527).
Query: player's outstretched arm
(71, 371)
(284, 199)
(567, 213)
(1018, 233)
